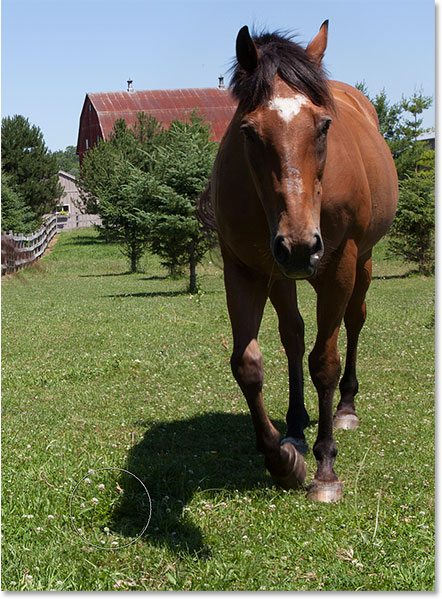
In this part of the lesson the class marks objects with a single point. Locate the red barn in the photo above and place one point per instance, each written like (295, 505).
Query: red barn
(101, 110)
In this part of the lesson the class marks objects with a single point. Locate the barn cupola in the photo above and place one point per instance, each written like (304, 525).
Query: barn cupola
(221, 82)
(130, 87)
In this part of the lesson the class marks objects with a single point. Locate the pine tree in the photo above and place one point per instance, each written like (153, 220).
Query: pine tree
(144, 182)
(33, 170)
(412, 234)
(183, 163)
(124, 218)
(108, 184)
(16, 216)
(399, 131)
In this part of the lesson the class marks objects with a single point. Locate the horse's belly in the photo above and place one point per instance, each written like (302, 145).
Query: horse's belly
(360, 190)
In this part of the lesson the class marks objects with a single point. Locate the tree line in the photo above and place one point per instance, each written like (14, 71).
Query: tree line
(144, 182)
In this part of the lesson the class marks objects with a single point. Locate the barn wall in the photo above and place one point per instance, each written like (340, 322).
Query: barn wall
(90, 129)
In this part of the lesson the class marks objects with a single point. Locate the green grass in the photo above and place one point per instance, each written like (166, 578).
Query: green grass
(107, 369)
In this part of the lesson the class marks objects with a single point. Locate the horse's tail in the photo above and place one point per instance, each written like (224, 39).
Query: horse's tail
(205, 213)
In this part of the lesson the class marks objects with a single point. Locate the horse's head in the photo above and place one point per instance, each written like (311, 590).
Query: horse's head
(284, 128)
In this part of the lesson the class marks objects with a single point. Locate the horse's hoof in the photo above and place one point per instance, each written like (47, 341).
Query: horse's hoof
(300, 444)
(295, 479)
(345, 421)
(324, 492)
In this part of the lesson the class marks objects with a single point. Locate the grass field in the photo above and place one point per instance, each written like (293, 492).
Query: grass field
(103, 369)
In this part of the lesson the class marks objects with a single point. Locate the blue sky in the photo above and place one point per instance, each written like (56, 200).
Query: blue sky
(55, 51)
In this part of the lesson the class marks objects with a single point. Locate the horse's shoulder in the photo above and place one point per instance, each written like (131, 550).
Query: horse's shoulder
(350, 96)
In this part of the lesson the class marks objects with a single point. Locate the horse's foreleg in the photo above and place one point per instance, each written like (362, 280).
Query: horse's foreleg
(354, 318)
(333, 290)
(246, 298)
(291, 330)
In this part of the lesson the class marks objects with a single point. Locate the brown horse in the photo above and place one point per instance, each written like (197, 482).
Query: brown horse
(302, 188)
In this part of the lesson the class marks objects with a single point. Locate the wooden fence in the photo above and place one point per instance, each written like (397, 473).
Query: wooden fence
(20, 250)
(66, 222)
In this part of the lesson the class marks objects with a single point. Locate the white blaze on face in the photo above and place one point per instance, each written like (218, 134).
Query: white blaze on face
(288, 107)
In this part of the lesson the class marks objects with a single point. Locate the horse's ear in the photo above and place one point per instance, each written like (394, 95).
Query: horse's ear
(317, 46)
(246, 51)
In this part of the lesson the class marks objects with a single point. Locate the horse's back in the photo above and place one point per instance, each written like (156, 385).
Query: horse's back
(349, 95)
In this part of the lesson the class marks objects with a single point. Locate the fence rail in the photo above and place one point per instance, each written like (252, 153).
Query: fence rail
(66, 222)
(20, 250)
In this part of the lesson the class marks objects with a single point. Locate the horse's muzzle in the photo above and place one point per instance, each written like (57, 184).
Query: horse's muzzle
(297, 261)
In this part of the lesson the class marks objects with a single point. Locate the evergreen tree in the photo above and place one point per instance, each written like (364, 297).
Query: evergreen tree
(144, 182)
(98, 173)
(16, 216)
(400, 131)
(100, 163)
(183, 162)
(106, 183)
(408, 160)
(33, 170)
(412, 234)
(124, 218)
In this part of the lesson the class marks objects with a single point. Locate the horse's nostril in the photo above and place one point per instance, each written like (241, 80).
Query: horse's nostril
(280, 250)
(317, 245)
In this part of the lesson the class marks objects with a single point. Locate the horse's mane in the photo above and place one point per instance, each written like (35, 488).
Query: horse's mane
(279, 55)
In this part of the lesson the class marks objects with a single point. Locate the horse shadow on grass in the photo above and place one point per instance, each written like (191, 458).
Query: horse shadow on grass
(149, 294)
(87, 240)
(209, 454)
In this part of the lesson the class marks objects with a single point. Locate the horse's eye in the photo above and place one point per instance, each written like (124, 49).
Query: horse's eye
(247, 130)
(325, 124)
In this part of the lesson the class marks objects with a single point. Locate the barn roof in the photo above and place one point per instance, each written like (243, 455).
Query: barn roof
(216, 105)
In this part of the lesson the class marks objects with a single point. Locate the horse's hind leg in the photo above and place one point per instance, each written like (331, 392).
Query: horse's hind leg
(354, 318)
(291, 330)
(246, 297)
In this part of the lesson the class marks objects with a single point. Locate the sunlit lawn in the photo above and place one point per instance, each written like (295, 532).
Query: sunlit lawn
(106, 369)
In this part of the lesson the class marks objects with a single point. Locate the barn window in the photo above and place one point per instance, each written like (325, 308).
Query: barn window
(87, 144)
